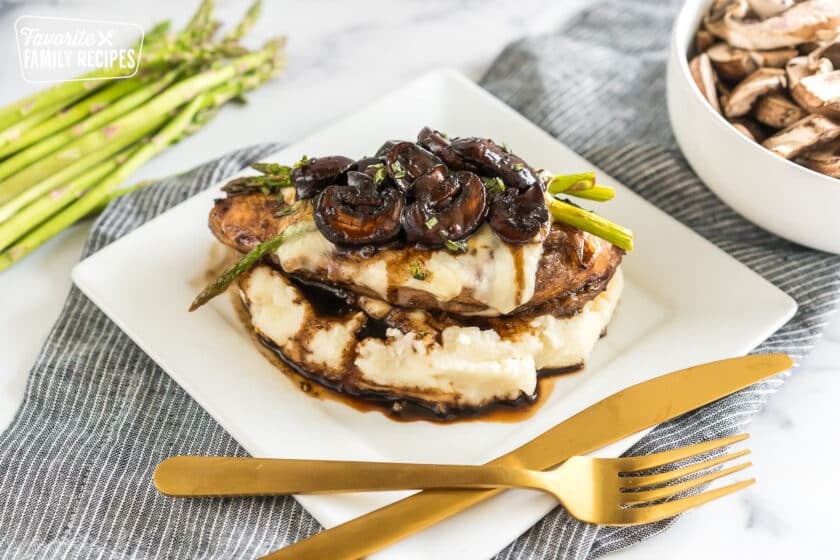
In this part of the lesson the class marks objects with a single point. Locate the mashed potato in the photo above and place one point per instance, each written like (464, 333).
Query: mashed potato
(461, 366)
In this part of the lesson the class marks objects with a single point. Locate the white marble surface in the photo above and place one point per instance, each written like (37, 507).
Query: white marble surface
(343, 54)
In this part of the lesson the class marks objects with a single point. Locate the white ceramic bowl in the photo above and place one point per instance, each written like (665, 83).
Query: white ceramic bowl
(778, 195)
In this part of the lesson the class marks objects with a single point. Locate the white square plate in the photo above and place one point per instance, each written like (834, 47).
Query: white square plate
(704, 308)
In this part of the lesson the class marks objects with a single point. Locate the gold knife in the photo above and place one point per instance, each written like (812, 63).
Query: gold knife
(620, 415)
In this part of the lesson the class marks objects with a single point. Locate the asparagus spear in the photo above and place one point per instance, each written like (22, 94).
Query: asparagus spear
(244, 264)
(65, 93)
(35, 181)
(46, 206)
(88, 106)
(193, 45)
(54, 127)
(246, 24)
(196, 114)
(132, 125)
(154, 45)
(173, 130)
(217, 97)
(156, 34)
(27, 123)
(574, 216)
(99, 109)
(598, 193)
(581, 185)
(200, 19)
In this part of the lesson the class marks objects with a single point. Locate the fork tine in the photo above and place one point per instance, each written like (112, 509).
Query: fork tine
(644, 462)
(673, 489)
(657, 512)
(668, 476)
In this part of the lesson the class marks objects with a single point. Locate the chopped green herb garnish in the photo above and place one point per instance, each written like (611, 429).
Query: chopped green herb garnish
(397, 170)
(379, 176)
(494, 186)
(266, 184)
(518, 167)
(417, 271)
(304, 160)
(505, 147)
(431, 222)
(443, 134)
(271, 168)
(444, 233)
(457, 246)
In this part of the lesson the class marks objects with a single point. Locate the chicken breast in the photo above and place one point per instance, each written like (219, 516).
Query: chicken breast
(558, 275)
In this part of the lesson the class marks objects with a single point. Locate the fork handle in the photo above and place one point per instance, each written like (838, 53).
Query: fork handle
(192, 476)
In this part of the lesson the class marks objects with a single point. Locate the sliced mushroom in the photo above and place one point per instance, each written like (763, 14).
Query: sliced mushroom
(819, 93)
(731, 64)
(809, 47)
(406, 161)
(745, 94)
(801, 135)
(357, 213)
(497, 161)
(776, 58)
(734, 8)
(734, 64)
(749, 128)
(439, 145)
(365, 163)
(724, 91)
(801, 67)
(703, 40)
(704, 76)
(519, 217)
(823, 159)
(385, 148)
(829, 51)
(778, 111)
(317, 173)
(769, 8)
(446, 208)
(804, 21)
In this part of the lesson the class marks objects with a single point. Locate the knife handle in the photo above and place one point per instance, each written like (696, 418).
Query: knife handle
(630, 410)
(238, 476)
(362, 536)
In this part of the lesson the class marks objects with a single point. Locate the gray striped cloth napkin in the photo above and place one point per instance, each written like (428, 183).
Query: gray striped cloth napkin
(98, 415)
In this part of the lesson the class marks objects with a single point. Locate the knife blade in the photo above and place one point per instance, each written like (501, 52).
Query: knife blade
(622, 414)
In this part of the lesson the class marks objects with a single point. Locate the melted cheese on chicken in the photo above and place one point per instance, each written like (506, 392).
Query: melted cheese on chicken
(490, 272)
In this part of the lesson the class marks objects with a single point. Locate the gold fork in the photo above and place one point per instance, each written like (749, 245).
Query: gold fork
(604, 491)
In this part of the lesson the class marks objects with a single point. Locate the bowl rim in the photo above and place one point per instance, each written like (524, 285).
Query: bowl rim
(680, 40)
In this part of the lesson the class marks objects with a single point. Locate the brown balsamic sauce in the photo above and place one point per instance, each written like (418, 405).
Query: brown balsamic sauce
(519, 272)
(404, 410)
(330, 301)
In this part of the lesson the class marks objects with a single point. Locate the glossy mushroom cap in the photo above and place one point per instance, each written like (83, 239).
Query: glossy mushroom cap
(431, 193)
(358, 213)
(315, 174)
(447, 207)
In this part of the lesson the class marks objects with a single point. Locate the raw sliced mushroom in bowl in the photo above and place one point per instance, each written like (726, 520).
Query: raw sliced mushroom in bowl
(754, 100)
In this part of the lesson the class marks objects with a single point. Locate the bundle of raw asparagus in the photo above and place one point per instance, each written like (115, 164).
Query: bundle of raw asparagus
(65, 151)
